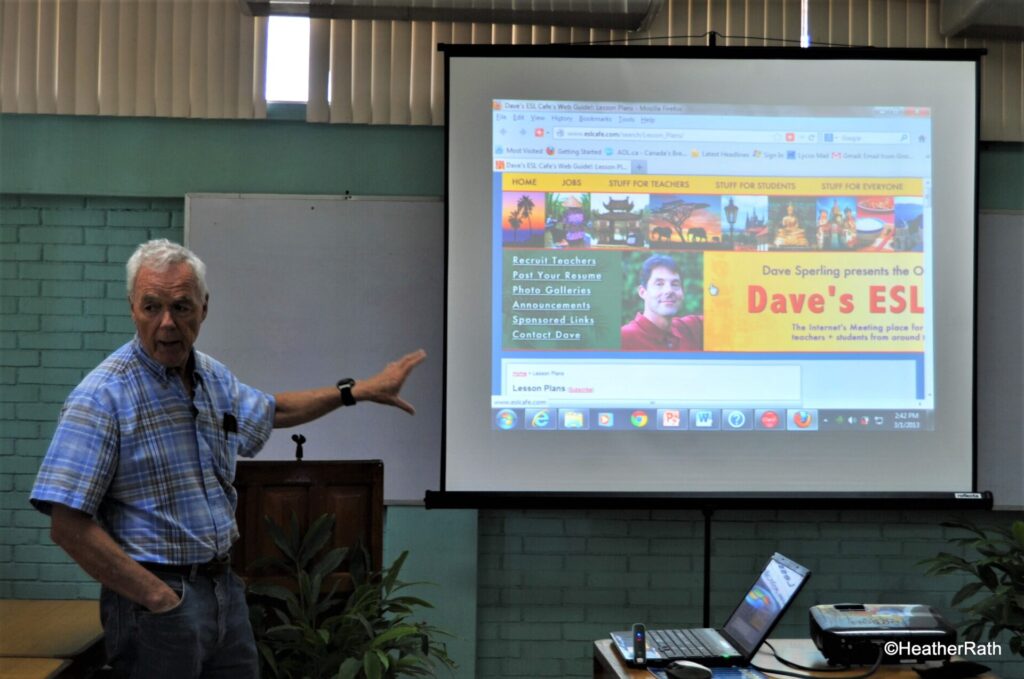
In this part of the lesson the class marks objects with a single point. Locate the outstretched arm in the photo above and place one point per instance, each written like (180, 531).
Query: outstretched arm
(299, 407)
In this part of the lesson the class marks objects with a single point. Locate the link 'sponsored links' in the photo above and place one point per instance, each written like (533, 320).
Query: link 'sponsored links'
(937, 648)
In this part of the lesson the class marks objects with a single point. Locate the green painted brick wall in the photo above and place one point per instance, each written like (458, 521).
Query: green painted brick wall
(63, 310)
(541, 605)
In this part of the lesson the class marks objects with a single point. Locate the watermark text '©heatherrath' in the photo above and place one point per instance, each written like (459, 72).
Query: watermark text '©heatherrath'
(963, 649)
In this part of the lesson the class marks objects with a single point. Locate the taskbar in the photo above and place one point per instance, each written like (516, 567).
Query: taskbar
(708, 419)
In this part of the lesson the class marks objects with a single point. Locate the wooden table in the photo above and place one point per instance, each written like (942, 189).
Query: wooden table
(32, 668)
(608, 664)
(41, 638)
(40, 628)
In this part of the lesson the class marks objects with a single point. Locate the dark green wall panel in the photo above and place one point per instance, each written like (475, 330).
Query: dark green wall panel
(1001, 173)
(155, 157)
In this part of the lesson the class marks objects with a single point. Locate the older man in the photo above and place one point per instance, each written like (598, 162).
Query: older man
(137, 479)
(657, 327)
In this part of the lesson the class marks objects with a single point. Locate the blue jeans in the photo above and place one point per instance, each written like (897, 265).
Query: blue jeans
(206, 636)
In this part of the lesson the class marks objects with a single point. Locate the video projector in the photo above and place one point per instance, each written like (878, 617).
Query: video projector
(855, 634)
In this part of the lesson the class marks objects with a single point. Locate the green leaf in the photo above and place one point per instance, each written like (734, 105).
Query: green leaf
(973, 631)
(295, 610)
(282, 616)
(316, 537)
(359, 564)
(268, 657)
(306, 592)
(952, 560)
(272, 591)
(411, 601)
(393, 633)
(392, 573)
(366, 625)
(988, 577)
(329, 562)
(328, 601)
(371, 665)
(1018, 533)
(294, 539)
(285, 632)
(409, 661)
(279, 538)
(349, 669)
(964, 525)
(966, 592)
(991, 552)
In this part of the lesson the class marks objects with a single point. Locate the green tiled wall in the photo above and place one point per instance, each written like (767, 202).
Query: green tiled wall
(551, 582)
(63, 310)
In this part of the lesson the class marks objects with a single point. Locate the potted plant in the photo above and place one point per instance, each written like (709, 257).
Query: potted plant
(307, 630)
(994, 598)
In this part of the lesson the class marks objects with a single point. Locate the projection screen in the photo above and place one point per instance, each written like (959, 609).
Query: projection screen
(710, 271)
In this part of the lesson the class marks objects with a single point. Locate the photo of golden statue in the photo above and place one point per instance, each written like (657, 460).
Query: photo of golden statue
(790, 234)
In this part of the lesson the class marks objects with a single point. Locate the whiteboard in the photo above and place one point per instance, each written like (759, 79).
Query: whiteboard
(305, 290)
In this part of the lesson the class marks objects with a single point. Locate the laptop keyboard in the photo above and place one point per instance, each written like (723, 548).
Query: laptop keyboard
(676, 643)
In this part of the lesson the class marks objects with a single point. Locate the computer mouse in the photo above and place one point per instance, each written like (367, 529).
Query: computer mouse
(685, 669)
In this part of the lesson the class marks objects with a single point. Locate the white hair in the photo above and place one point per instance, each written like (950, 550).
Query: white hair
(159, 254)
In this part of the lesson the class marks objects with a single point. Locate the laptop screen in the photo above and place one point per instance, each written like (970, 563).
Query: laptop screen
(765, 602)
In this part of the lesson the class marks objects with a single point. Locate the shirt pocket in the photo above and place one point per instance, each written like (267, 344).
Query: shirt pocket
(219, 444)
(229, 456)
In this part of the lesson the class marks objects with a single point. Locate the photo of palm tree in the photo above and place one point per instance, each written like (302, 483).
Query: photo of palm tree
(522, 218)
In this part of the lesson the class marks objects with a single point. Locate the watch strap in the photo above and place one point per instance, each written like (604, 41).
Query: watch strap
(345, 385)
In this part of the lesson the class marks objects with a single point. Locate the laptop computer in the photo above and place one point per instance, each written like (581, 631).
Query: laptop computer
(738, 640)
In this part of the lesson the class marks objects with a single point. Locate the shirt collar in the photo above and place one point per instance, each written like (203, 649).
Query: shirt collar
(160, 371)
(649, 326)
(670, 337)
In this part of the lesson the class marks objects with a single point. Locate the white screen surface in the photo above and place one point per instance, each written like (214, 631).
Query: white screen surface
(817, 217)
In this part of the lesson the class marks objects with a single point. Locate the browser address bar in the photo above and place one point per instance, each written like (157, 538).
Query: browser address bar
(738, 136)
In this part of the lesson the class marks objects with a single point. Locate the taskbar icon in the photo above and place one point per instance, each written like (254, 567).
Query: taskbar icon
(574, 418)
(506, 419)
(801, 420)
(540, 418)
(737, 419)
(661, 419)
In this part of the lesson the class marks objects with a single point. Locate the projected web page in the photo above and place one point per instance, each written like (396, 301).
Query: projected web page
(711, 268)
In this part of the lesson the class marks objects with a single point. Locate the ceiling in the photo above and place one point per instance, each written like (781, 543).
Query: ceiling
(629, 15)
(982, 19)
(958, 18)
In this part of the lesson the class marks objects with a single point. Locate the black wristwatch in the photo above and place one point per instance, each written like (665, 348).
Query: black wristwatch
(345, 385)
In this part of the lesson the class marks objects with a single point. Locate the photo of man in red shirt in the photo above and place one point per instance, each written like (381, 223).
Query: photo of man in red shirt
(658, 327)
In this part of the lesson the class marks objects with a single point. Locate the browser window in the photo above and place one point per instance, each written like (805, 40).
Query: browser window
(709, 267)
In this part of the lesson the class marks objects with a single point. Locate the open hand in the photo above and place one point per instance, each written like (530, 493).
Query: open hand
(384, 387)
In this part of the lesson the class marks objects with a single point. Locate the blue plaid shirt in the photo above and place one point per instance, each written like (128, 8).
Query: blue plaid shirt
(129, 451)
